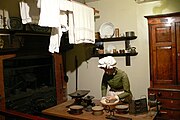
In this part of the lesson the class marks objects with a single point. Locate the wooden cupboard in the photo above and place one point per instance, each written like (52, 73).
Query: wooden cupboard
(164, 51)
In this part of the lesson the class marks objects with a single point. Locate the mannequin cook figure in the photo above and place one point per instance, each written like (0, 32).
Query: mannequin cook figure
(116, 79)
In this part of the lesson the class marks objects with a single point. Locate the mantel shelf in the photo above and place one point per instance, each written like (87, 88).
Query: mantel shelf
(24, 32)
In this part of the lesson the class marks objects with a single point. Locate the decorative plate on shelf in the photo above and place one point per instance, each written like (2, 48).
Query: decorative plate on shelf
(15, 23)
(106, 30)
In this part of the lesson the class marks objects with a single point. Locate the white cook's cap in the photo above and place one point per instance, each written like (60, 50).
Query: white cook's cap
(107, 62)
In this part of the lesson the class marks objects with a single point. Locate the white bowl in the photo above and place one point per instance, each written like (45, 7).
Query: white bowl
(97, 110)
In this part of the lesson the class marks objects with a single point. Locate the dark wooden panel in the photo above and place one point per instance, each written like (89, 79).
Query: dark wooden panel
(164, 65)
(163, 34)
(163, 59)
(167, 94)
(170, 104)
(168, 115)
(2, 93)
(179, 69)
(178, 48)
(164, 44)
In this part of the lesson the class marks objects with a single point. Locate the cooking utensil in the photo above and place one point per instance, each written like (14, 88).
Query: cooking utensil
(130, 34)
(121, 109)
(76, 109)
(97, 110)
(132, 49)
(79, 93)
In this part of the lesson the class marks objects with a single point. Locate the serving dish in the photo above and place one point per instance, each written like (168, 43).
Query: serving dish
(122, 109)
(104, 101)
(106, 30)
(97, 110)
(75, 109)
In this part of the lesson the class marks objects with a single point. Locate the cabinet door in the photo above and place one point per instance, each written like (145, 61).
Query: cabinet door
(178, 48)
(163, 54)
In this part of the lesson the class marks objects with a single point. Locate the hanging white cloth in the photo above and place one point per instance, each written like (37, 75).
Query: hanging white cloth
(24, 12)
(55, 40)
(81, 23)
(49, 13)
(29, 11)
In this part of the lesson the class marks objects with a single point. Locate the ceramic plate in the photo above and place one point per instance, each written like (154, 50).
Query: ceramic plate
(106, 30)
(14, 23)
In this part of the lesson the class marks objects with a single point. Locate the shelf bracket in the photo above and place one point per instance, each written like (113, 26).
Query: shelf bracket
(127, 45)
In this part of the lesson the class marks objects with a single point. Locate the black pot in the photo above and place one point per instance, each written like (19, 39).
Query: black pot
(130, 34)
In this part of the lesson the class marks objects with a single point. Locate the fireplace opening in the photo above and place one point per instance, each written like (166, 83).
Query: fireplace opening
(29, 83)
(29, 79)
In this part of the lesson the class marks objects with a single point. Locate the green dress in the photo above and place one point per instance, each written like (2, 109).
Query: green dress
(117, 82)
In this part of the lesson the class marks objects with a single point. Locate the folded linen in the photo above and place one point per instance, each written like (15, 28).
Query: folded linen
(82, 21)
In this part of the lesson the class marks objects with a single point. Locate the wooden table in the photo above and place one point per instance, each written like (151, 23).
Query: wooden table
(61, 112)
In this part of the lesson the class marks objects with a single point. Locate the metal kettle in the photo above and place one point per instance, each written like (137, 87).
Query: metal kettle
(132, 49)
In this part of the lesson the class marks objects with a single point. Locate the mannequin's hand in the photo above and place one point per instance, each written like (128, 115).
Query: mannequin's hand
(111, 99)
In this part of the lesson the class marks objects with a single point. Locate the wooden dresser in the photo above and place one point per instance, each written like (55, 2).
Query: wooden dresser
(164, 51)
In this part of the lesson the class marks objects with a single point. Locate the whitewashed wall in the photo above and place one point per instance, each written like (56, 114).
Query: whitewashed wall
(126, 15)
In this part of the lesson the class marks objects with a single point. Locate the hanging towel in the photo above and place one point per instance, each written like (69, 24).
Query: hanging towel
(56, 32)
(65, 9)
(24, 12)
(55, 40)
(82, 21)
(49, 13)
(29, 11)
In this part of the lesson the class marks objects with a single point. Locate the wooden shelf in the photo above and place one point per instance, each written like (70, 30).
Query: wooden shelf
(127, 45)
(116, 39)
(116, 54)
